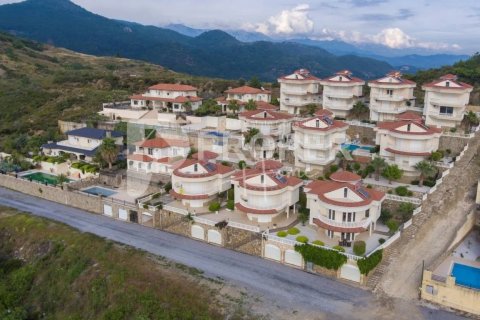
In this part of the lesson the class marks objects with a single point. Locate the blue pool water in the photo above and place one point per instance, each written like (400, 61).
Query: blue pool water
(466, 276)
(97, 191)
(353, 147)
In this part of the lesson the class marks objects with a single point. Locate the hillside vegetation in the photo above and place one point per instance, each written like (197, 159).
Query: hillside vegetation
(40, 84)
(50, 271)
(214, 53)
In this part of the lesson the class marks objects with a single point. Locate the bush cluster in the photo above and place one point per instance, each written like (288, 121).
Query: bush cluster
(293, 231)
(403, 191)
(329, 259)
(359, 248)
(214, 206)
(302, 239)
(282, 234)
(367, 264)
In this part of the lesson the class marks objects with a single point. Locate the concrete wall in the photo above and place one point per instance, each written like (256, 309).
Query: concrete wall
(450, 295)
(56, 194)
(465, 229)
(455, 144)
(65, 126)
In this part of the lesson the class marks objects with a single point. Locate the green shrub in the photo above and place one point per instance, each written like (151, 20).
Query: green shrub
(381, 240)
(369, 186)
(436, 156)
(356, 166)
(230, 204)
(359, 248)
(367, 264)
(333, 168)
(329, 259)
(392, 225)
(293, 231)
(302, 239)
(339, 248)
(318, 243)
(282, 234)
(214, 206)
(429, 183)
(385, 215)
(402, 191)
(231, 194)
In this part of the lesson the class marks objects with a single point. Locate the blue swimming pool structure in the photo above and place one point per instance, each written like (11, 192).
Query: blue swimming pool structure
(99, 191)
(352, 147)
(466, 276)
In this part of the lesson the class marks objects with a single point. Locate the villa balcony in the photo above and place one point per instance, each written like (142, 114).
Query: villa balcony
(347, 225)
(299, 103)
(389, 109)
(315, 146)
(295, 92)
(388, 97)
(446, 102)
(447, 116)
(339, 95)
(338, 105)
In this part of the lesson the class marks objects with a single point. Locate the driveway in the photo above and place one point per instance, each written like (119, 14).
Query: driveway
(275, 285)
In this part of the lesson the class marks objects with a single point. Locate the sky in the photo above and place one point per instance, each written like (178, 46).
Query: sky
(441, 25)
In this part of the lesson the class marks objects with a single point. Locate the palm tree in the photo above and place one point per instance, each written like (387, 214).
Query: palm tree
(250, 105)
(108, 151)
(426, 169)
(343, 160)
(233, 106)
(378, 164)
(472, 120)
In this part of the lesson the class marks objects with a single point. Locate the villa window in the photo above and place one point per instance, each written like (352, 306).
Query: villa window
(345, 192)
(195, 167)
(262, 179)
(389, 92)
(135, 102)
(330, 233)
(89, 141)
(446, 110)
(367, 213)
(317, 123)
(331, 214)
(447, 84)
(150, 151)
(344, 217)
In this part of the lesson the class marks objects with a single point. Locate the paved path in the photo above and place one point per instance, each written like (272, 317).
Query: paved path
(315, 296)
(384, 183)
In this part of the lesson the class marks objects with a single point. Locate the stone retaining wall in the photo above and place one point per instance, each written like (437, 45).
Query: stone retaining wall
(455, 144)
(56, 194)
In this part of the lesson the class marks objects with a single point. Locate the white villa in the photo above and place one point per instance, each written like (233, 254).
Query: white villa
(389, 96)
(299, 90)
(83, 143)
(273, 126)
(317, 141)
(445, 101)
(342, 208)
(168, 97)
(263, 193)
(407, 141)
(243, 95)
(341, 92)
(157, 155)
(198, 182)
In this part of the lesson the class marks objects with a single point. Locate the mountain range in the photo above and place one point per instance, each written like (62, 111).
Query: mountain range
(213, 53)
(409, 59)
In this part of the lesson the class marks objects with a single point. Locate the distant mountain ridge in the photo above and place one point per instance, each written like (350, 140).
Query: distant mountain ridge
(407, 59)
(213, 53)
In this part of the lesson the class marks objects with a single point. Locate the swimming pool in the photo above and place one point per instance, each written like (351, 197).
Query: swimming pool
(353, 147)
(43, 178)
(466, 276)
(98, 191)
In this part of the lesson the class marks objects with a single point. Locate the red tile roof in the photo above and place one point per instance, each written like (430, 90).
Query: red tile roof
(160, 143)
(398, 76)
(212, 168)
(320, 188)
(265, 115)
(393, 126)
(269, 165)
(302, 75)
(139, 157)
(346, 75)
(179, 99)
(451, 78)
(324, 112)
(242, 208)
(410, 115)
(345, 176)
(262, 105)
(335, 124)
(337, 228)
(172, 87)
(247, 90)
(205, 155)
(280, 183)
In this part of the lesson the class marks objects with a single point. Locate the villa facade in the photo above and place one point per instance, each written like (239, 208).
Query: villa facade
(198, 182)
(390, 96)
(407, 141)
(157, 155)
(243, 95)
(83, 143)
(446, 100)
(342, 208)
(168, 97)
(341, 92)
(263, 193)
(273, 127)
(317, 141)
(298, 90)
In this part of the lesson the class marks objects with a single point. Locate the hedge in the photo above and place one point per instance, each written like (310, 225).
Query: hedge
(302, 239)
(293, 231)
(329, 259)
(318, 243)
(214, 206)
(369, 263)
(339, 248)
(281, 234)
(359, 248)
(230, 205)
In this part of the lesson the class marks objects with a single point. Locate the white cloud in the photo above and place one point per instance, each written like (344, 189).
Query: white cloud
(394, 38)
(295, 21)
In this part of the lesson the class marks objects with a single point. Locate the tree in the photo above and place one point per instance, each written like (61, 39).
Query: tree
(255, 83)
(378, 164)
(233, 106)
(426, 169)
(208, 107)
(342, 159)
(187, 106)
(405, 210)
(359, 109)
(108, 151)
(251, 105)
(309, 109)
(275, 102)
(392, 172)
(252, 132)
(61, 179)
(472, 120)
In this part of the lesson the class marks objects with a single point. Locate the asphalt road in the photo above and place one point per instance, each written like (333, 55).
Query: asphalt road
(273, 283)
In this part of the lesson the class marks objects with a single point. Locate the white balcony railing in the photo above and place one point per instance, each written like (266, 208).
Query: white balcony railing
(388, 97)
(365, 223)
